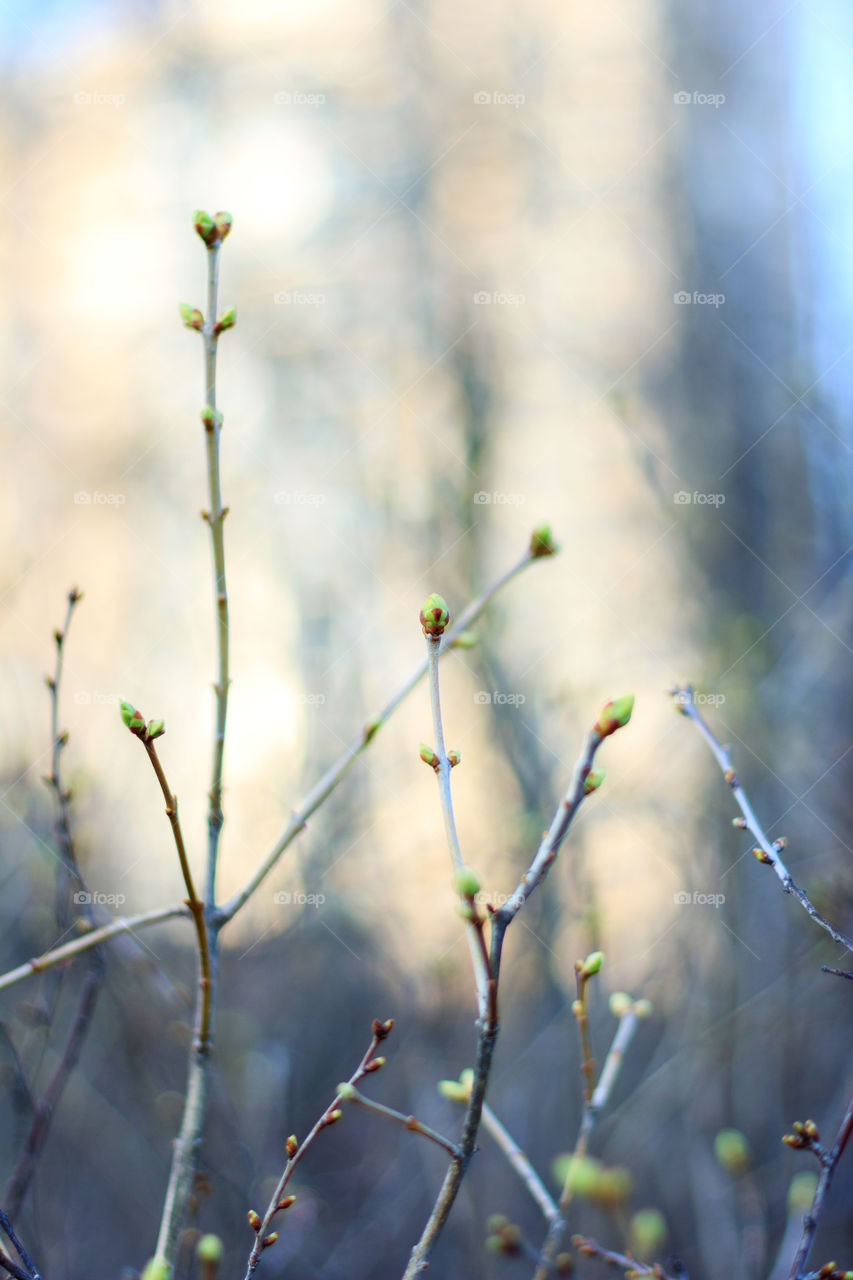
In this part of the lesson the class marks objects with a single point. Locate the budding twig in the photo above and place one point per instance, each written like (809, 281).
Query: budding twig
(828, 1164)
(333, 775)
(348, 1093)
(630, 1266)
(296, 1150)
(770, 850)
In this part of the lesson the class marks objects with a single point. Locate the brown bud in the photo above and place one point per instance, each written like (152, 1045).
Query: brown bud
(382, 1029)
(254, 1220)
(270, 1239)
(286, 1202)
(291, 1146)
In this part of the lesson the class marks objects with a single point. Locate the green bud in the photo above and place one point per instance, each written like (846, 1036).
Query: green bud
(211, 418)
(614, 1189)
(581, 1173)
(801, 1191)
(542, 543)
(453, 757)
(614, 715)
(205, 226)
(156, 1269)
(458, 1090)
(223, 222)
(227, 320)
(466, 883)
(643, 1008)
(156, 728)
(592, 964)
(732, 1150)
(346, 1091)
(466, 640)
(434, 615)
(191, 316)
(620, 1004)
(593, 781)
(646, 1233)
(209, 1250)
(428, 755)
(127, 712)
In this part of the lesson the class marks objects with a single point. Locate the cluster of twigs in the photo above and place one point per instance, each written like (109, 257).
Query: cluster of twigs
(485, 929)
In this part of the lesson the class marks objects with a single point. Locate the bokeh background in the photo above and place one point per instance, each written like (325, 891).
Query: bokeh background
(492, 264)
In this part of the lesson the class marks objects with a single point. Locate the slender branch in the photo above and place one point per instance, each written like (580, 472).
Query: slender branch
(351, 1094)
(828, 1164)
(770, 849)
(296, 1151)
(12, 1267)
(22, 1174)
(442, 767)
(212, 232)
(59, 740)
(612, 717)
(7, 1227)
(596, 1100)
(333, 775)
(196, 907)
(520, 1163)
(629, 1265)
(122, 925)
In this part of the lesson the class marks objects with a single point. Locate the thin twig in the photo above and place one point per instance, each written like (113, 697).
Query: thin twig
(22, 1174)
(296, 1151)
(408, 1122)
(12, 1267)
(68, 950)
(520, 1163)
(7, 1227)
(185, 1154)
(590, 1249)
(828, 1164)
(333, 775)
(770, 849)
(592, 1107)
(474, 929)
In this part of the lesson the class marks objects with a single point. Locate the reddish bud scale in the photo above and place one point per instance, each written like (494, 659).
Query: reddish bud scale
(382, 1029)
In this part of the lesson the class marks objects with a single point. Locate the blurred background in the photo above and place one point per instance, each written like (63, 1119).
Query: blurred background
(492, 264)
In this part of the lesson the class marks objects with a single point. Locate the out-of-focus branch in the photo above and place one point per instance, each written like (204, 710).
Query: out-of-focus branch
(768, 851)
(333, 775)
(613, 716)
(32, 1270)
(279, 1203)
(520, 1163)
(630, 1266)
(828, 1164)
(68, 950)
(628, 1011)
